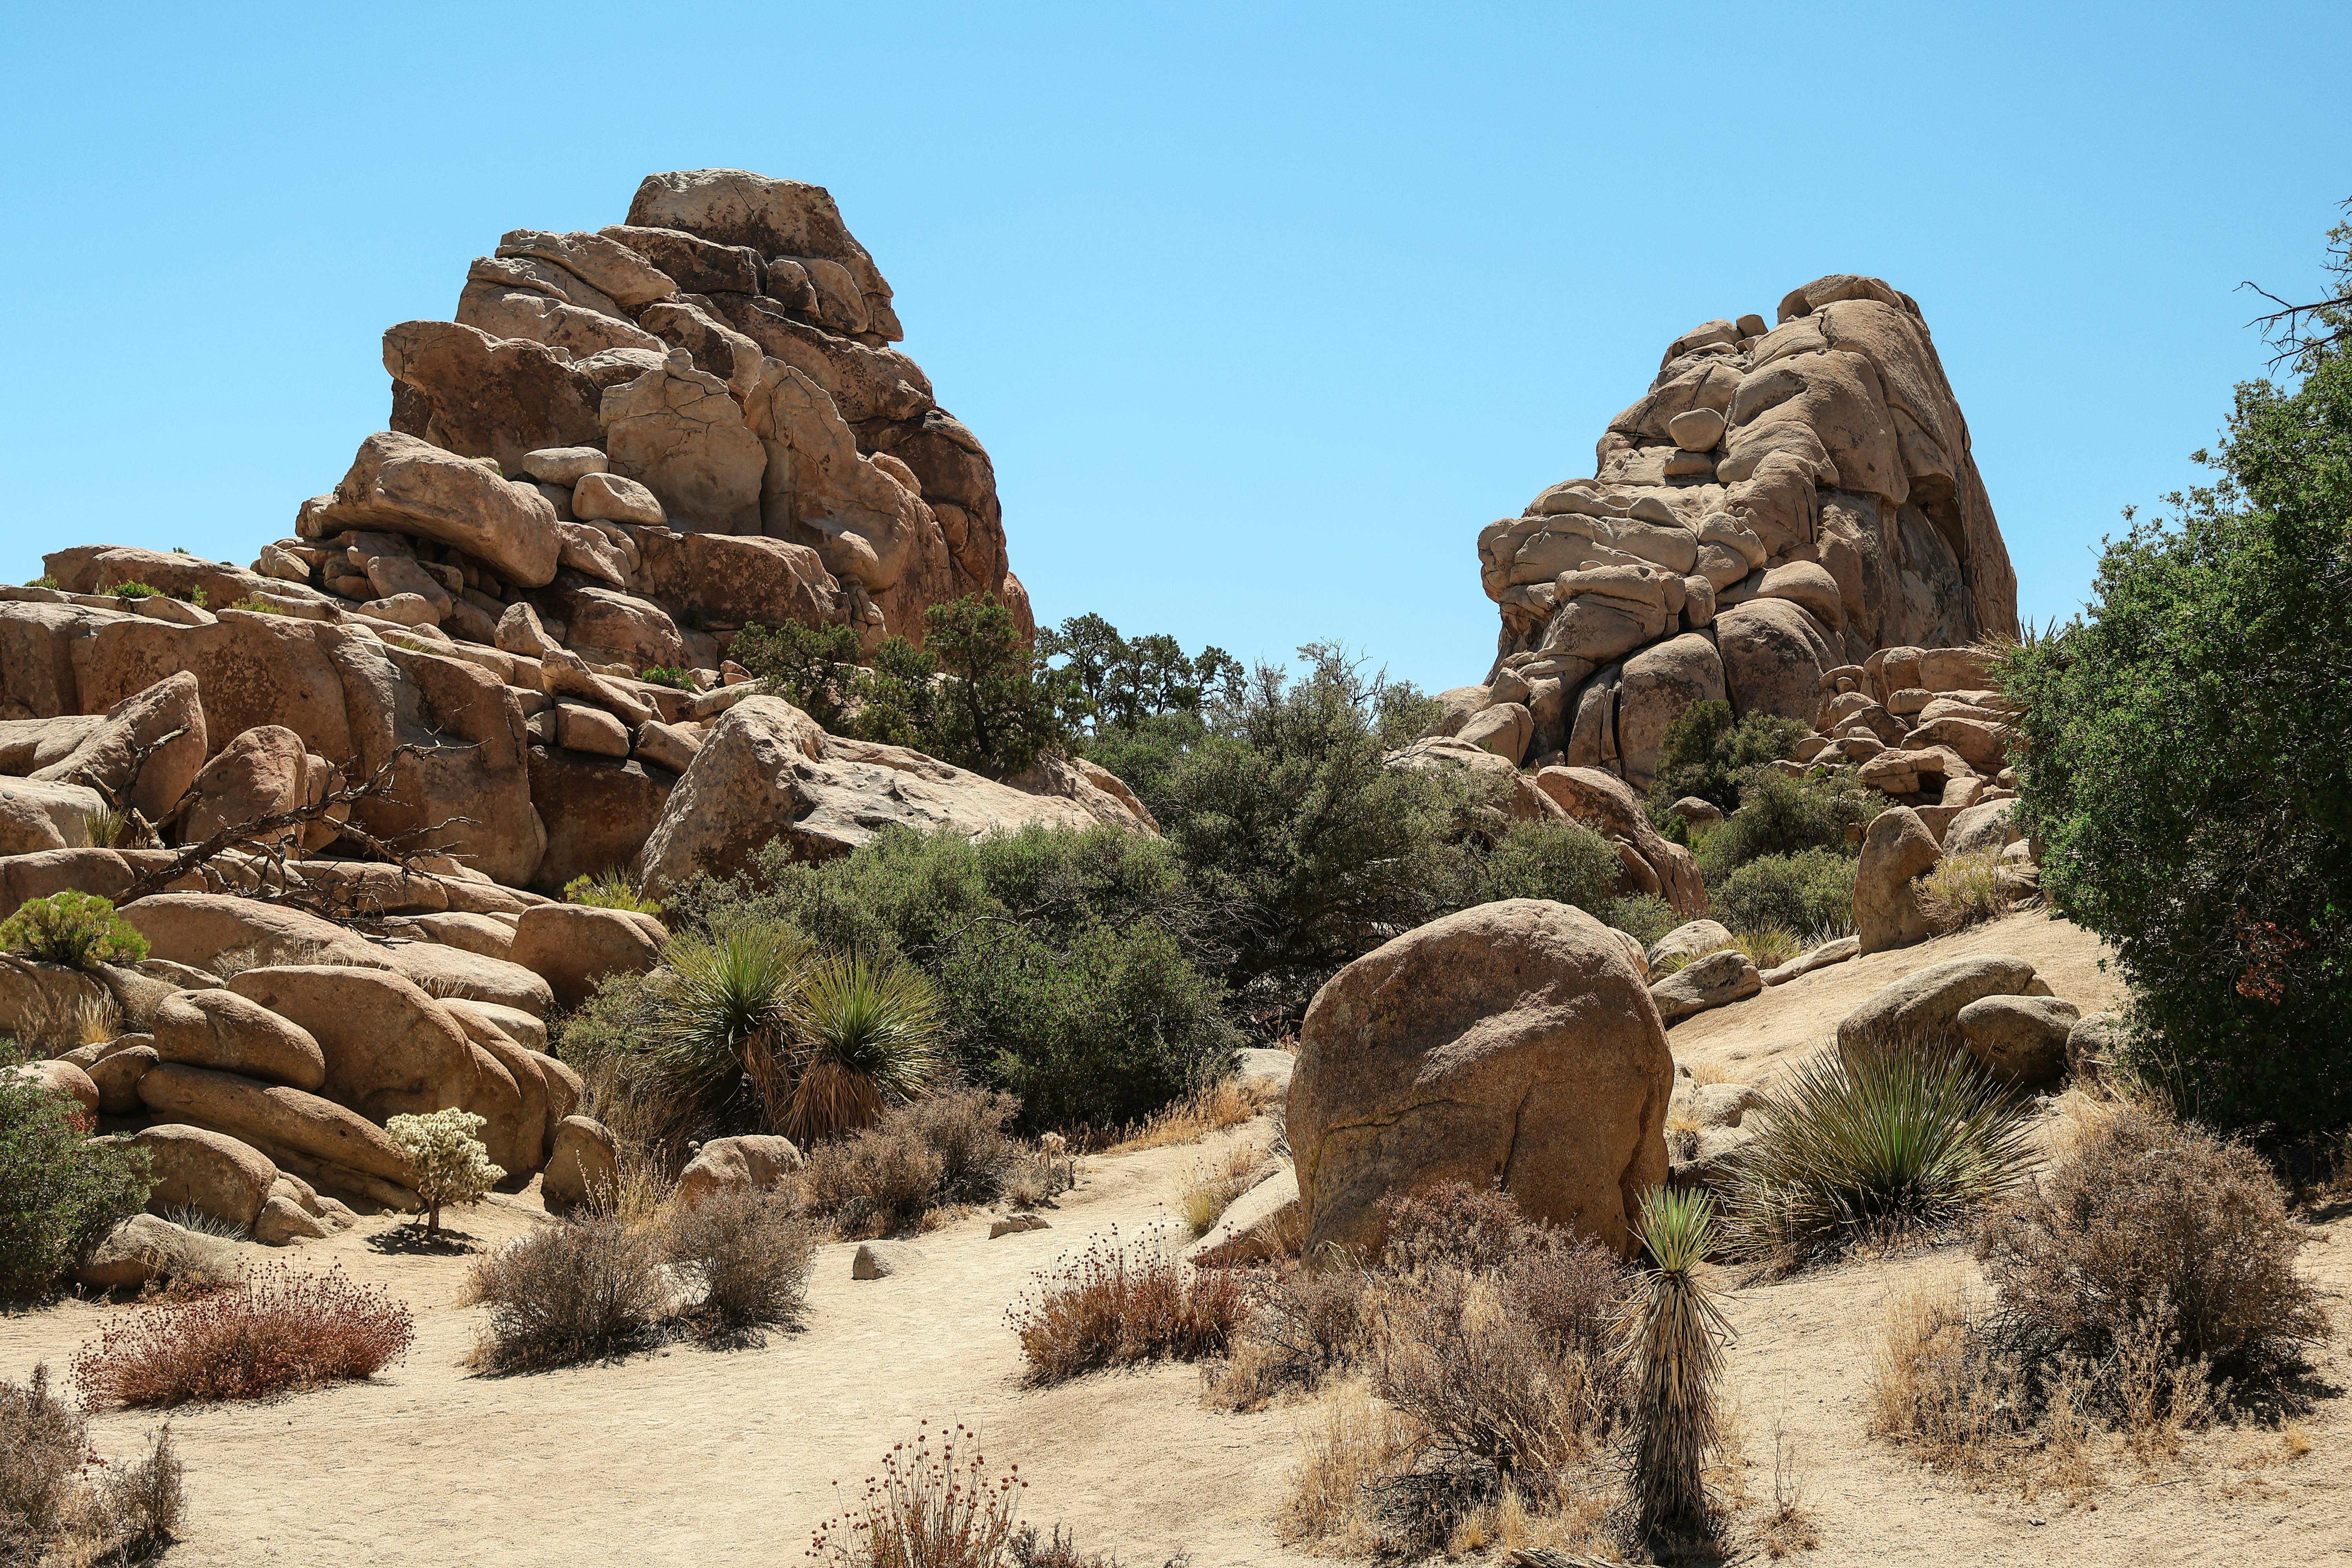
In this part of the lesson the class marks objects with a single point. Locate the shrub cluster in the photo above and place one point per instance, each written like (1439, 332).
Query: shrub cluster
(953, 1148)
(274, 1333)
(54, 1507)
(61, 1191)
(1704, 753)
(80, 930)
(1118, 1304)
(609, 890)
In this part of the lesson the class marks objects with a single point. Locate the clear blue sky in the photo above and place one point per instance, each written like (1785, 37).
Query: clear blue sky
(1263, 310)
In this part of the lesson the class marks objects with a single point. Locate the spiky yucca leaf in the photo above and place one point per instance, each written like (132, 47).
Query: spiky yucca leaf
(869, 1037)
(720, 1028)
(1671, 1336)
(1895, 1144)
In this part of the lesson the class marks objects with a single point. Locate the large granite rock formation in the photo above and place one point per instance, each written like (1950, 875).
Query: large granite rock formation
(1781, 503)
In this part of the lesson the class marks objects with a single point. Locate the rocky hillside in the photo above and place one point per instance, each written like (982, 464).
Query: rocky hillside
(1781, 503)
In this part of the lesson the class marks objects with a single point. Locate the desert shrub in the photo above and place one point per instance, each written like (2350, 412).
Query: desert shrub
(812, 668)
(1704, 753)
(668, 675)
(1212, 1107)
(1673, 1332)
(1809, 892)
(716, 1032)
(1118, 1304)
(77, 929)
(1213, 1183)
(879, 1180)
(869, 1033)
(134, 591)
(932, 1504)
(447, 1164)
(609, 890)
(1058, 1551)
(1964, 890)
(1892, 1146)
(1563, 861)
(1645, 917)
(2182, 766)
(274, 1333)
(1307, 1325)
(1769, 945)
(968, 1129)
(2150, 1221)
(571, 1292)
(254, 605)
(59, 1190)
(52, 1509)
(1455, 1226)
(1782, 816)
(752, 1255)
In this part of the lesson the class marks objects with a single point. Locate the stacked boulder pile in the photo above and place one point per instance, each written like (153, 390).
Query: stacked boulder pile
(1783, 502)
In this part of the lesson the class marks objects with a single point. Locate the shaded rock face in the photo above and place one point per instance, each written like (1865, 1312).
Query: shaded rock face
(1781, 502)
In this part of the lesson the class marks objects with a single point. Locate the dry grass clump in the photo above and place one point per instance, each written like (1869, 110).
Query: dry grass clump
(1964, 890)
(1213, 1184)
(1117, 1304)
(1770, 945)
(2146, 1290)
(571, 1292)
(1211, 1109)
(933, 1504)
(750, 1254)
(1890, 1147)
(927, 1154)
(272, 1333)
(49, 1027)
(56, 1507)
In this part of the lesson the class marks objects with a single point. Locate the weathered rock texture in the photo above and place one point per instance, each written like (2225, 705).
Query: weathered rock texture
(1781, 502)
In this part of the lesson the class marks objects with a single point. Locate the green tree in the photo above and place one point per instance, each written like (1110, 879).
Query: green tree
(2186, 770)
(999, 707)
(59, 1189)
(814, 669)
(1704, 753)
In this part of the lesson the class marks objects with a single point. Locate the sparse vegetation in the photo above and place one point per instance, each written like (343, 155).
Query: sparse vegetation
(572, 1292)
(609, 890)
(446, 1162)
(78, 930)
(59, 1190)
(1122, 1302)
(134, 591)
(889, 1177)
(1963, 890)
(104, 825)
(258, 605)
(274, 1333)
(929, 1506)
(750, 1254)
(57, 1507)
(1893, 1146)
(668, 675)
(1809, 893)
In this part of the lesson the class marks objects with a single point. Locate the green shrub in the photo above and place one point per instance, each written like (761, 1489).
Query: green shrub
(1892, 1146)
(668, 675)
(1564, 861)
(1783, 816)
(609, 890)
(814, 669)
(1809, 892)
(1645, 917)
(258, 605)
(44, 581)
(715, 1037)
(134, 591)
(59, 1192)
(77, 929)
(1704, 753)
(2184, 770)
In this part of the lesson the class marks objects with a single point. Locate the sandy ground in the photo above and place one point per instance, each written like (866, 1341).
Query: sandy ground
(691, 1456)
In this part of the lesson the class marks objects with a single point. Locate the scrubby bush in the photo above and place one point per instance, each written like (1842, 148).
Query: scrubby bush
(715, 1028)
(448, 1165)
(274, 1333)
(952, 1148)
(572, 1292)
(750, 1254)
(1892, 1146)
(1120, 1303)
(2183, 763)
(1704, 753)
(1563, 861)
(2150, 1221)
(930, 1505)
(59, 1190)
(1645, 917)
(814, 669)
(54, 1509)
(1963, 890)
(135, 591)
(970, 1130)
(77, 929)
(1782, 816)
(609, 890)
(1810, 893)
(668, 675)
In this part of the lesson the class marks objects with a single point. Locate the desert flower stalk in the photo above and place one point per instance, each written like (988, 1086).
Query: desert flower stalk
(1671, 1336)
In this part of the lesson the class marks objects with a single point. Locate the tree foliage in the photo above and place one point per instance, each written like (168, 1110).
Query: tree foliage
(2186, 771)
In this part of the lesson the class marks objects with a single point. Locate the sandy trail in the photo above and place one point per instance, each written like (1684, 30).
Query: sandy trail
(690, 1456)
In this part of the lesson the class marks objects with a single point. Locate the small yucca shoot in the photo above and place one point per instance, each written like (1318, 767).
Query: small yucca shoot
(1671, 1334)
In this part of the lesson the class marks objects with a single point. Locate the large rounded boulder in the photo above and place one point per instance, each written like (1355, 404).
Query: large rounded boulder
(1514, 1045)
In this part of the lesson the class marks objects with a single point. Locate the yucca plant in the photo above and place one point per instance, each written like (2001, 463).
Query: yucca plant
(868, 1036)
(1671, 1337)
(1893, 1145)
(719, 1030)
(104, 825)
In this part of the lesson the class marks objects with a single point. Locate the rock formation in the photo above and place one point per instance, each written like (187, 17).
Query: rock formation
(1783, 502)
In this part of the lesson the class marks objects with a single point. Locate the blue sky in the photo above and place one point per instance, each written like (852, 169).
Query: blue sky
(1263, 310)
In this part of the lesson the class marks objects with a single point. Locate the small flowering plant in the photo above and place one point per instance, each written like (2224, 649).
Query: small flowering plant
(933, 1505)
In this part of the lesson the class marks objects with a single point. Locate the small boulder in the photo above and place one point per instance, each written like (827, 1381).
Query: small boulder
(1015, 1223)
(586, 1161)
(881, 1260)
(215, 1175)
(574, 946)
(1727, 975)
(1922, 1008)
(752, 1161)
(1896, 850)
(282, 1222)
(117, 1074)
(1695, 938)
(2019, 1039)
(1262, 1223)
(144, 1248)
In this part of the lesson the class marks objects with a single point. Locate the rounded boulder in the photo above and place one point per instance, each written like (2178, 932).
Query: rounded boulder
(1510, 1044)
(754, 1162)
(232, 1033)
(574, 946)
(586, 1160)
(2019, 1039)
(218, 1176)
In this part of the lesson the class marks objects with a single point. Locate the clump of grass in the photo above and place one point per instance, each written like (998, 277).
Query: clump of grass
(1890, 1146)
(1672, 1333)
(1963, 890)
(275, 1333)
(104, 825)
(1215, 1185)
(1212, 1108)
(570, 1293)
(259, 606)
(1769, 946)
(609, 890)
(933, 1504)
(56, 1505)
(668, 675)
(1118, 1304)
